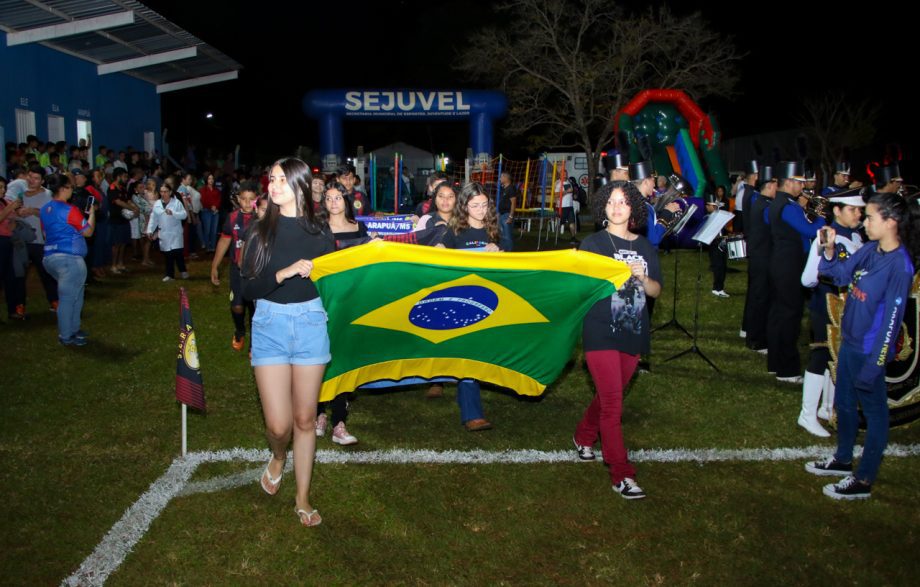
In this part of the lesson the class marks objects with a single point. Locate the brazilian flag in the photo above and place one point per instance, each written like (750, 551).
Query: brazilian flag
(402, 313)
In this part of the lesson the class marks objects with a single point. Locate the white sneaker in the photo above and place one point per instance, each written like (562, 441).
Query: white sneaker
(628, 489)
(341, 436)
(823, 415)
(720, 293)
(184, 275)
(167, 278)
(742, 333)
(321, 423)
(585, 453)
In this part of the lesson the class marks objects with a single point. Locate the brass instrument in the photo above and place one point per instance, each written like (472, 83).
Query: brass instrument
(816, 206)
(676, 190)
(909, 192)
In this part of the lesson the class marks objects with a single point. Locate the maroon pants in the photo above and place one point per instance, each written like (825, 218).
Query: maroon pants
(611, 371)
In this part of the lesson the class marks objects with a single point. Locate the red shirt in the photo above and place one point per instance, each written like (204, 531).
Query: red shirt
(210, 197)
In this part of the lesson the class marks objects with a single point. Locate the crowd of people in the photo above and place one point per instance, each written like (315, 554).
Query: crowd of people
(273, 227)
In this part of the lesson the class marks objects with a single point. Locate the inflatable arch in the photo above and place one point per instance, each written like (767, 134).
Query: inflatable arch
(331, 107)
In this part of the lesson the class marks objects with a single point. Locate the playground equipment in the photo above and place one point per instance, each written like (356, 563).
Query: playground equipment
(668, 128)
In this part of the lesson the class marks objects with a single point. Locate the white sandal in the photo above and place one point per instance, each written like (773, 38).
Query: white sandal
(306, 518)
(271, 487)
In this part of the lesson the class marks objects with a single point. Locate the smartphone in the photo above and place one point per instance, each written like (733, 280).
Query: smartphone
(90, 202)
(822, 235)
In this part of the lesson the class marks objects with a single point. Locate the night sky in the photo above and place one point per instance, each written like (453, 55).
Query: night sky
(792, 50)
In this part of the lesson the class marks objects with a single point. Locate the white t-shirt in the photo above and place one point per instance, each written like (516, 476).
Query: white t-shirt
(36, 201)
(565, 190)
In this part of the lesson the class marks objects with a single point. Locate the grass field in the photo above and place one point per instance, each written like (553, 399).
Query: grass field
(86, 431)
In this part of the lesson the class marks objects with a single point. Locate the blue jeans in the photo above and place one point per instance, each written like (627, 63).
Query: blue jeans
(209, 227)
(507, 240)
(468, 399)
(874, 403)
(70, 273)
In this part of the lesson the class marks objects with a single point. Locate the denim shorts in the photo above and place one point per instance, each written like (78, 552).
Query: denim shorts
(290, 334)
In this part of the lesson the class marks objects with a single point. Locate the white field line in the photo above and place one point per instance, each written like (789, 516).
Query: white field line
(127, 532)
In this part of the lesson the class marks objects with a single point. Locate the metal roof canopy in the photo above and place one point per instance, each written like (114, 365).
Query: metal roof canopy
(118, 35)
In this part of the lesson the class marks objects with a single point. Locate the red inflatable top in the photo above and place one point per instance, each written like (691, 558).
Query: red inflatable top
(698, 120)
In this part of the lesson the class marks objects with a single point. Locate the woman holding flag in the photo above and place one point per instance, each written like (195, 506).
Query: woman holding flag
(473, 226)
(616, 329)
(290, 345)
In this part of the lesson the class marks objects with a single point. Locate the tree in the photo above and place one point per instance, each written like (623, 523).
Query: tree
(568, 66)
(836, 124)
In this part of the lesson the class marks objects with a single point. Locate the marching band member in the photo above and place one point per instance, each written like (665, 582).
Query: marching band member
(846, 211)
(792, 233)
(743, 195)
(841, 179)
(642, 176)
(888, 179)
(759, 247)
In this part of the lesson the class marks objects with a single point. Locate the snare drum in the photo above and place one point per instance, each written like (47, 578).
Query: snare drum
(736, 246)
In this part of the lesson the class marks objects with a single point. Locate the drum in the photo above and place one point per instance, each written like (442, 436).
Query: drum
(736, 246)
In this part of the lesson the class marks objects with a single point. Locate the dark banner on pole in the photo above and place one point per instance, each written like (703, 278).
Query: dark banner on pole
(189, 387)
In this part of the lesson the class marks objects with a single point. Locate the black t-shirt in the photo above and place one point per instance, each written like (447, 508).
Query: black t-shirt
(292, 243)
(621, 322)
(504, 205)
(117, 194)
(469, 238)
(351, 235)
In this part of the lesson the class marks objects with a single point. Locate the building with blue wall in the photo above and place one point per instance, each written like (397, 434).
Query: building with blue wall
(53, 86)
(73, 70)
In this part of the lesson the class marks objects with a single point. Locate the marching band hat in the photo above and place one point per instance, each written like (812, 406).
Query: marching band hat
(616, 161)
(810, 175)
(640, 170)
(766, 174)
(852, 197)
(883, 176)
(842, 167)
(751, 167)
(790, 170)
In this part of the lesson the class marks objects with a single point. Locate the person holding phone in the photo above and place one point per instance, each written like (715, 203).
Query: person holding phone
(879, 277)
(66, 230)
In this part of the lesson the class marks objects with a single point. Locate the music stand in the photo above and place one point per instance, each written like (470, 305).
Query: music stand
(676, 230)
(712, 228)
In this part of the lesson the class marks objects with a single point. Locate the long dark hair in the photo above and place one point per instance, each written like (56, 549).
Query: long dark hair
(349, 207)
(259, 245)
(907, 215)
(459, 220)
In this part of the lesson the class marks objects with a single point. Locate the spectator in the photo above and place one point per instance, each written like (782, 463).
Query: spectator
(166, 225)
(65, 247)
(33, 199)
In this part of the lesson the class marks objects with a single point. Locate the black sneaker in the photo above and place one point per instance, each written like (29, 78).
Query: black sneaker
(848, 488)
(585, 453)
(829, 466)
(628, 489)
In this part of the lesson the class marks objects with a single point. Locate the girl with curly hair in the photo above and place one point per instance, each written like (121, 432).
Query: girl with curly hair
(616, 330)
